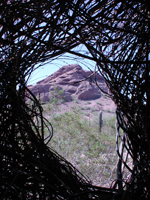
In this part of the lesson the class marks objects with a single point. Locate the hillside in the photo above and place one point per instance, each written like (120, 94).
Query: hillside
(69, 78)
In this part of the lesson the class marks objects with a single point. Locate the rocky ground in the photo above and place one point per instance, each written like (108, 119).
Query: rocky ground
(104, 104)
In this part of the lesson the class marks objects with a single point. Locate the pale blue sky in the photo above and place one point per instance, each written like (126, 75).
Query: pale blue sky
(52, 66)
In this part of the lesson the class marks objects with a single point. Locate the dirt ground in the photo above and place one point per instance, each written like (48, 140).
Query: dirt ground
(102, 104)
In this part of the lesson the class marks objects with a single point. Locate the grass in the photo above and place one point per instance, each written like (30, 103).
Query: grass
(91, 152)
(77, 138)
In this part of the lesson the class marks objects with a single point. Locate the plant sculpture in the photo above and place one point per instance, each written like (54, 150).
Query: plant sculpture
(117, 36)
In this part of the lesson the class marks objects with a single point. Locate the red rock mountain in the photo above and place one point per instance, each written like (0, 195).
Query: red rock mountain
(69, 79)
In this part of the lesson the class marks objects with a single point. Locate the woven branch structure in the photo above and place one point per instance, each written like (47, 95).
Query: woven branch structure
(122, 53)
(117, 36)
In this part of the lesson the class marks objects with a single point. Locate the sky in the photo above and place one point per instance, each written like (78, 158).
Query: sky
(52, 66)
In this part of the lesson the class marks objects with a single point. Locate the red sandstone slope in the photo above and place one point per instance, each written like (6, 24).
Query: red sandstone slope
(68, 78)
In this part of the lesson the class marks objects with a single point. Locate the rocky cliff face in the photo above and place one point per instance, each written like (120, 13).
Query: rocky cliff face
(69, 78)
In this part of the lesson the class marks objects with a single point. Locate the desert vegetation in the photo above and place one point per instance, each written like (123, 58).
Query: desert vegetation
(92, 152)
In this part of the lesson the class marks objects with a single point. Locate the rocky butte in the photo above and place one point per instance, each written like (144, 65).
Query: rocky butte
(69, 78)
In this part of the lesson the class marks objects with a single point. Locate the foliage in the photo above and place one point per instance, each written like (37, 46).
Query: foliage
(56, 97)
